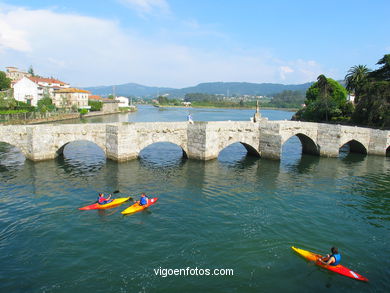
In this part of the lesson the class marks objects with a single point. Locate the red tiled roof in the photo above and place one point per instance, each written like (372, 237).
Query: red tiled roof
(37, 79)
(95, 97)
(72, 90)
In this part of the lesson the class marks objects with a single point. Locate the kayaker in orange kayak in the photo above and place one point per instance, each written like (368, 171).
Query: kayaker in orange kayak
(332, 259)
(102, 200)
(143, 200)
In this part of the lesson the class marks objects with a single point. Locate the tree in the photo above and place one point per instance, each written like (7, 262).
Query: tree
(31, 71)
(5, 82)
(373, 106)
(324, 91)
(356, 79)
(383, 73)
(325, 100)
(162, 100)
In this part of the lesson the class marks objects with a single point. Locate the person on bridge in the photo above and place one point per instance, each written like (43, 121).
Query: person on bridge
(189, 117)
(143, 200)
(333, 259)
(102, 200)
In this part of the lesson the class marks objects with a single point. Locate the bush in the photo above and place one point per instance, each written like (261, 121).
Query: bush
(83, 111)
(95, 105)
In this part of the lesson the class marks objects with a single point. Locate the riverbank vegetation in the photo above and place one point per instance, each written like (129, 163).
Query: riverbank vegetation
(326, 100)
(286, 100)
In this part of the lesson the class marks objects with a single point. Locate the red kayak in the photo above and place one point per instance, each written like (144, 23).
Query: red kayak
(114, 203)
(342, 270)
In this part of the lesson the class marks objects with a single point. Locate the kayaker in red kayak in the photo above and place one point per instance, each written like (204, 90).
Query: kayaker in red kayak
(143, 200)
(332, 259)
(102, 200)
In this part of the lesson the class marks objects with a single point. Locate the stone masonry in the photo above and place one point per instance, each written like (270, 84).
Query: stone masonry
(200, 140)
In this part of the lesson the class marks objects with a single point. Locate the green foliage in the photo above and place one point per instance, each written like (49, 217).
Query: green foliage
(288, 99)
(95, 105)
(13, 111)
(197, 97)
(326, 100)
(383, 73)
(45, 105)
(5, 82)
(83, 111)
(356, 79)
(162, 100)
(111, 97)
(31, 71)
(373, 108)
(373, 105)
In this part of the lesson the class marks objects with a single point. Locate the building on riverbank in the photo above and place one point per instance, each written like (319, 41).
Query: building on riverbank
(69, 97)
(15, 74)
(30, 89)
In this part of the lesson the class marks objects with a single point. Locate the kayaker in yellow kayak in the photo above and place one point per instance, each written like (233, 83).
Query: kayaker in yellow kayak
(102, 200)
(143, 200)
(332, 259)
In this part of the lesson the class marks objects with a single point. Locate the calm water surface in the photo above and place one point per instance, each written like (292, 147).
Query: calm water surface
(236, 212)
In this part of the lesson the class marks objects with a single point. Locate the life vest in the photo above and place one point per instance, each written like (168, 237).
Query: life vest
(143, 201)
(101, 200)
(337, 258)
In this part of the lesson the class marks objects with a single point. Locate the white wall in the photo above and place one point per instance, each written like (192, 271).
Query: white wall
(123, 101)
(25, 89)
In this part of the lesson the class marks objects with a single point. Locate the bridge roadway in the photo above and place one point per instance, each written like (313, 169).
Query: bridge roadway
(201, 140)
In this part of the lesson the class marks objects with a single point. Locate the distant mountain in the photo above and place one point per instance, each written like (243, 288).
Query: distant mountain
(225, 88)
(128, 89)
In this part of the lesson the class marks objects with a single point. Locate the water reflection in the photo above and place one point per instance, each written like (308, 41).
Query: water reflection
(11, 158)
(81, 158)
(162, 155)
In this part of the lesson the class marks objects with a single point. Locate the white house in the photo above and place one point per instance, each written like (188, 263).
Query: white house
(123, 102)
(33, 88)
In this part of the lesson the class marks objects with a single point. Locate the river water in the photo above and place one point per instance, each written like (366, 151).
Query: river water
(236, 212)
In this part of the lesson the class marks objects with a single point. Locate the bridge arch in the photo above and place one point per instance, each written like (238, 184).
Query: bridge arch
(251, 150)
(60, 150)
(308, 144)
(355, 146)
(172, 141)
(388, 151)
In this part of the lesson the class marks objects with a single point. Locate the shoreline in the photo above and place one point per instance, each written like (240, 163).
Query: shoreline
(236, 108)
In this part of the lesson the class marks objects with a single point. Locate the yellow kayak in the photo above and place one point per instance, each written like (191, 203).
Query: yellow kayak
(115, 202)
(340, 269)
(136, 207)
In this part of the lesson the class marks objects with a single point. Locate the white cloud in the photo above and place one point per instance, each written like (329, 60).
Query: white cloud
(87, 51)
(12, 38)
(285, 70)
(144, 7)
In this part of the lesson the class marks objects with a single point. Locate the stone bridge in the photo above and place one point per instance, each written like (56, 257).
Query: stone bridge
(200, 140)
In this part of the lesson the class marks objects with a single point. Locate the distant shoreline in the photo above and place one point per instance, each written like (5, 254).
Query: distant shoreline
(237, 108)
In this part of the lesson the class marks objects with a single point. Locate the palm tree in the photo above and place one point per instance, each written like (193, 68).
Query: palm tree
(356, 79)
(324, 87)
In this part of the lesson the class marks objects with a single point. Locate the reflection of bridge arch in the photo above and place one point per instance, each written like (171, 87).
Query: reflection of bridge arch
(60, 150)
(13, 144)
(355, 147)
(251, 150)
(308, 144)
(146, 145)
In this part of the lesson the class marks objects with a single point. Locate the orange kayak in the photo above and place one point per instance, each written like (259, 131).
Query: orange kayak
(114, 203)
(137, 208)
(337, 269)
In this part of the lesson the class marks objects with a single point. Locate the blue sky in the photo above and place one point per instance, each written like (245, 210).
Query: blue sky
(176, 43)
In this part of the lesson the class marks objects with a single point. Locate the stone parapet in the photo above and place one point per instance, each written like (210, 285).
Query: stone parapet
(199, 140)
